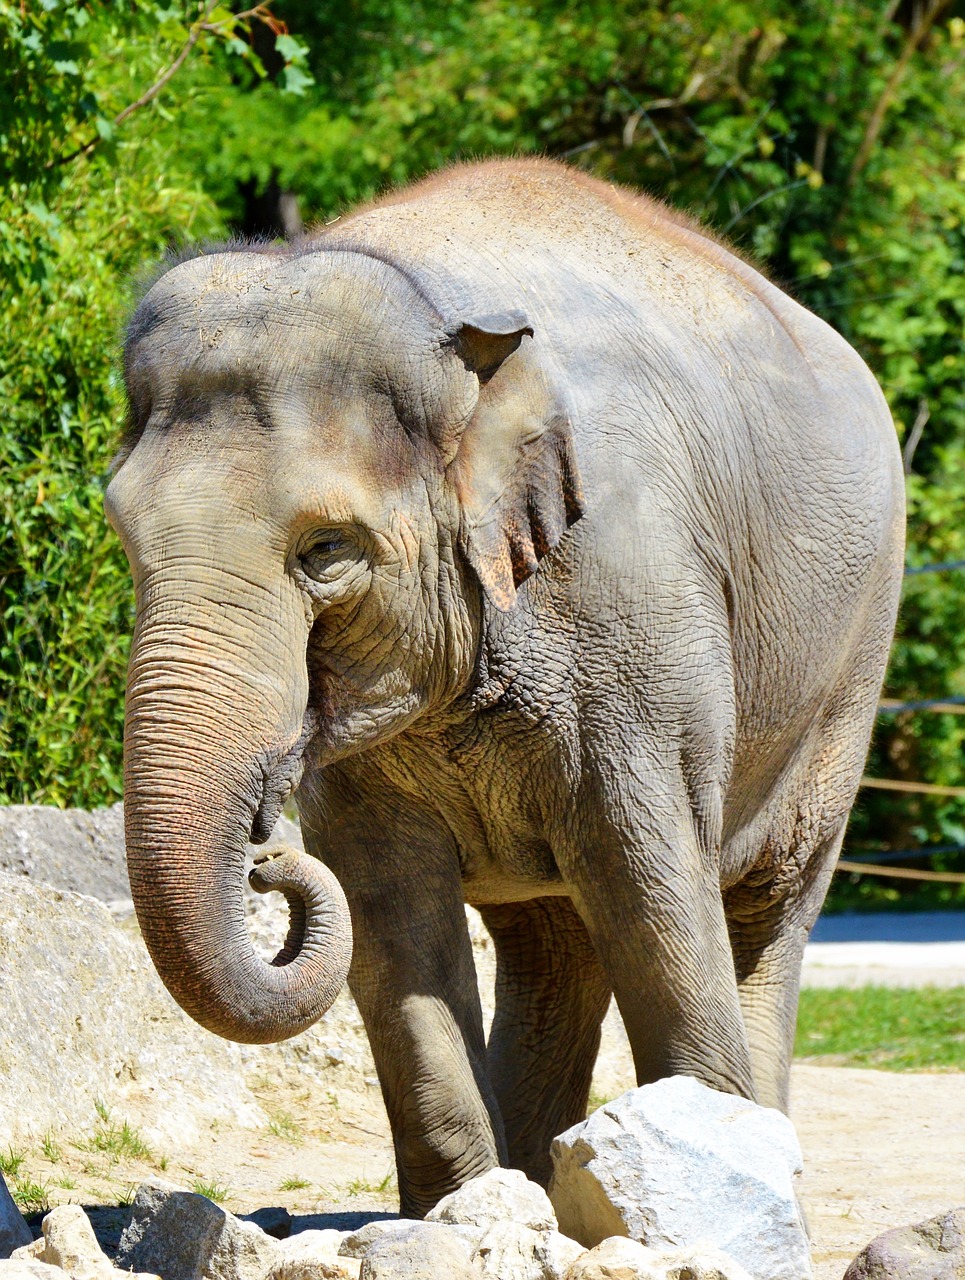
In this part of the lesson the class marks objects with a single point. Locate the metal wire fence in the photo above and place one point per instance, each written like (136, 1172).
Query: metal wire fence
(876, 863)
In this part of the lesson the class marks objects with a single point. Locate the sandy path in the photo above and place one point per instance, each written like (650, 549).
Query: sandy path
(881, 1149)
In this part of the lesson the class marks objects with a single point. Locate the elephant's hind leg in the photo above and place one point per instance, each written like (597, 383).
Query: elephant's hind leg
(551, 997)
(769, 928)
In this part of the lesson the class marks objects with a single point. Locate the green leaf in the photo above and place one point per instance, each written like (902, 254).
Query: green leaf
(294, 81)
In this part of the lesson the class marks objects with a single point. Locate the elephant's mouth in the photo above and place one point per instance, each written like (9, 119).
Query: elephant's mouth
(283, 768)
(282, 772)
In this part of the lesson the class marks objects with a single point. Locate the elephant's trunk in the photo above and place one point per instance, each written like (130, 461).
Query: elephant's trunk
(206, 731)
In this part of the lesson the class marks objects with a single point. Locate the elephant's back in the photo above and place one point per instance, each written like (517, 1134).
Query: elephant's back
(684, 368)
(615, 284)
(539, 232)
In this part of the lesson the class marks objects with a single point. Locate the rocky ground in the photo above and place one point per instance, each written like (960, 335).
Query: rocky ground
(107, 1084)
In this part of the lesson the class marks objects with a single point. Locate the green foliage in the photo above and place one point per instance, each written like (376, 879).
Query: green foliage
(363, 1187)
(31, 1196)
(293, 1184)
(72, 233)
(11, 1161)
(282, 1125)
(118, 1141)
(51, 1148)
(211, 1190)
(889, 1028)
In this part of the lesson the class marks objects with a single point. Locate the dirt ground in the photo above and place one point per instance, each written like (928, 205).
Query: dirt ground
(881, 1149)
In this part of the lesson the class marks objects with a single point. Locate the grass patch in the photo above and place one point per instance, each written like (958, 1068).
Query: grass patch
(50, 1147)
(294, 1184)
(890, 1028)
(361, 1186)
(211, 1190)
(30, 1196)
(596, 1100)
(282, 1125)
(119, 1141)
(11, 1162)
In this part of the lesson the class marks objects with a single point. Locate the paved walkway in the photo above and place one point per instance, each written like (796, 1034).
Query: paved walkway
(921, 949)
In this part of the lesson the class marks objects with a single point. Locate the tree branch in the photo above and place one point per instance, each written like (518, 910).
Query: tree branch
(915, 434)
(877, 118)
(194, 35)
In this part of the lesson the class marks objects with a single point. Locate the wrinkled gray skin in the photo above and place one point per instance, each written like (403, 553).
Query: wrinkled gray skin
(344, 466)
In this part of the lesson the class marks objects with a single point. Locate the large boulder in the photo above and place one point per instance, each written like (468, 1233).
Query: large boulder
(180, 1235)
(678, 1164)
(14, 1232)
(69, 848)
(77, 991)
(932, 1250)
(500, 1195)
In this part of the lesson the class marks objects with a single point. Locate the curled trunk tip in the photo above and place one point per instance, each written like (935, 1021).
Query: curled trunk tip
(316, 905)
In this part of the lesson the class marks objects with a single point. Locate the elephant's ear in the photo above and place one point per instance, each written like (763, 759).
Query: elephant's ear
(514, 465)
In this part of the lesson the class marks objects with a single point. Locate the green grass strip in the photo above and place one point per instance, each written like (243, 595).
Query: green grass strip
(889, 1028)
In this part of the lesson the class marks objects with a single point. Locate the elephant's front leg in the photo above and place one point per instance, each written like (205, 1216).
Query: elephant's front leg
(414, 981)
(646, 882)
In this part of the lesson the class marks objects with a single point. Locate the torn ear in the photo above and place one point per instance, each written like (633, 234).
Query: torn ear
(514, 468)
(485, 342)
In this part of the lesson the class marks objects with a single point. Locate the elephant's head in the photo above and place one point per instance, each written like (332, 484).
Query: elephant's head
(321, 471)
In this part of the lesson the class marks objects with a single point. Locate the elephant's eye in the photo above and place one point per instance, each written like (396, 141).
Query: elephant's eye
(323, 554)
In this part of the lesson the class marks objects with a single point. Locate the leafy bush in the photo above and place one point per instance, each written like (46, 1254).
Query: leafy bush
(72, 234)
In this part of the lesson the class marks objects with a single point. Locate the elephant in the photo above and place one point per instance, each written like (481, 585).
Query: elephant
(551, 555)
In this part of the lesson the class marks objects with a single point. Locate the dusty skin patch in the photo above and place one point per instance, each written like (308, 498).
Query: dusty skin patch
(881, 1149)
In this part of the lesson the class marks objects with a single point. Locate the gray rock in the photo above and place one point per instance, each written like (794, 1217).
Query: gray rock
(70, 1243)
(509, 1251)
(356, 1244)
(617, 1258)
(24, 1268)
(933, 1250)
(559, 1253)
(701, 1262)
(184, 1236)
(35, 1249)
(500, 1195)
(109, 1029)
(313, 1255)
(68, 848)
(678, 1164)
(426, 1251)
(14, 1232)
